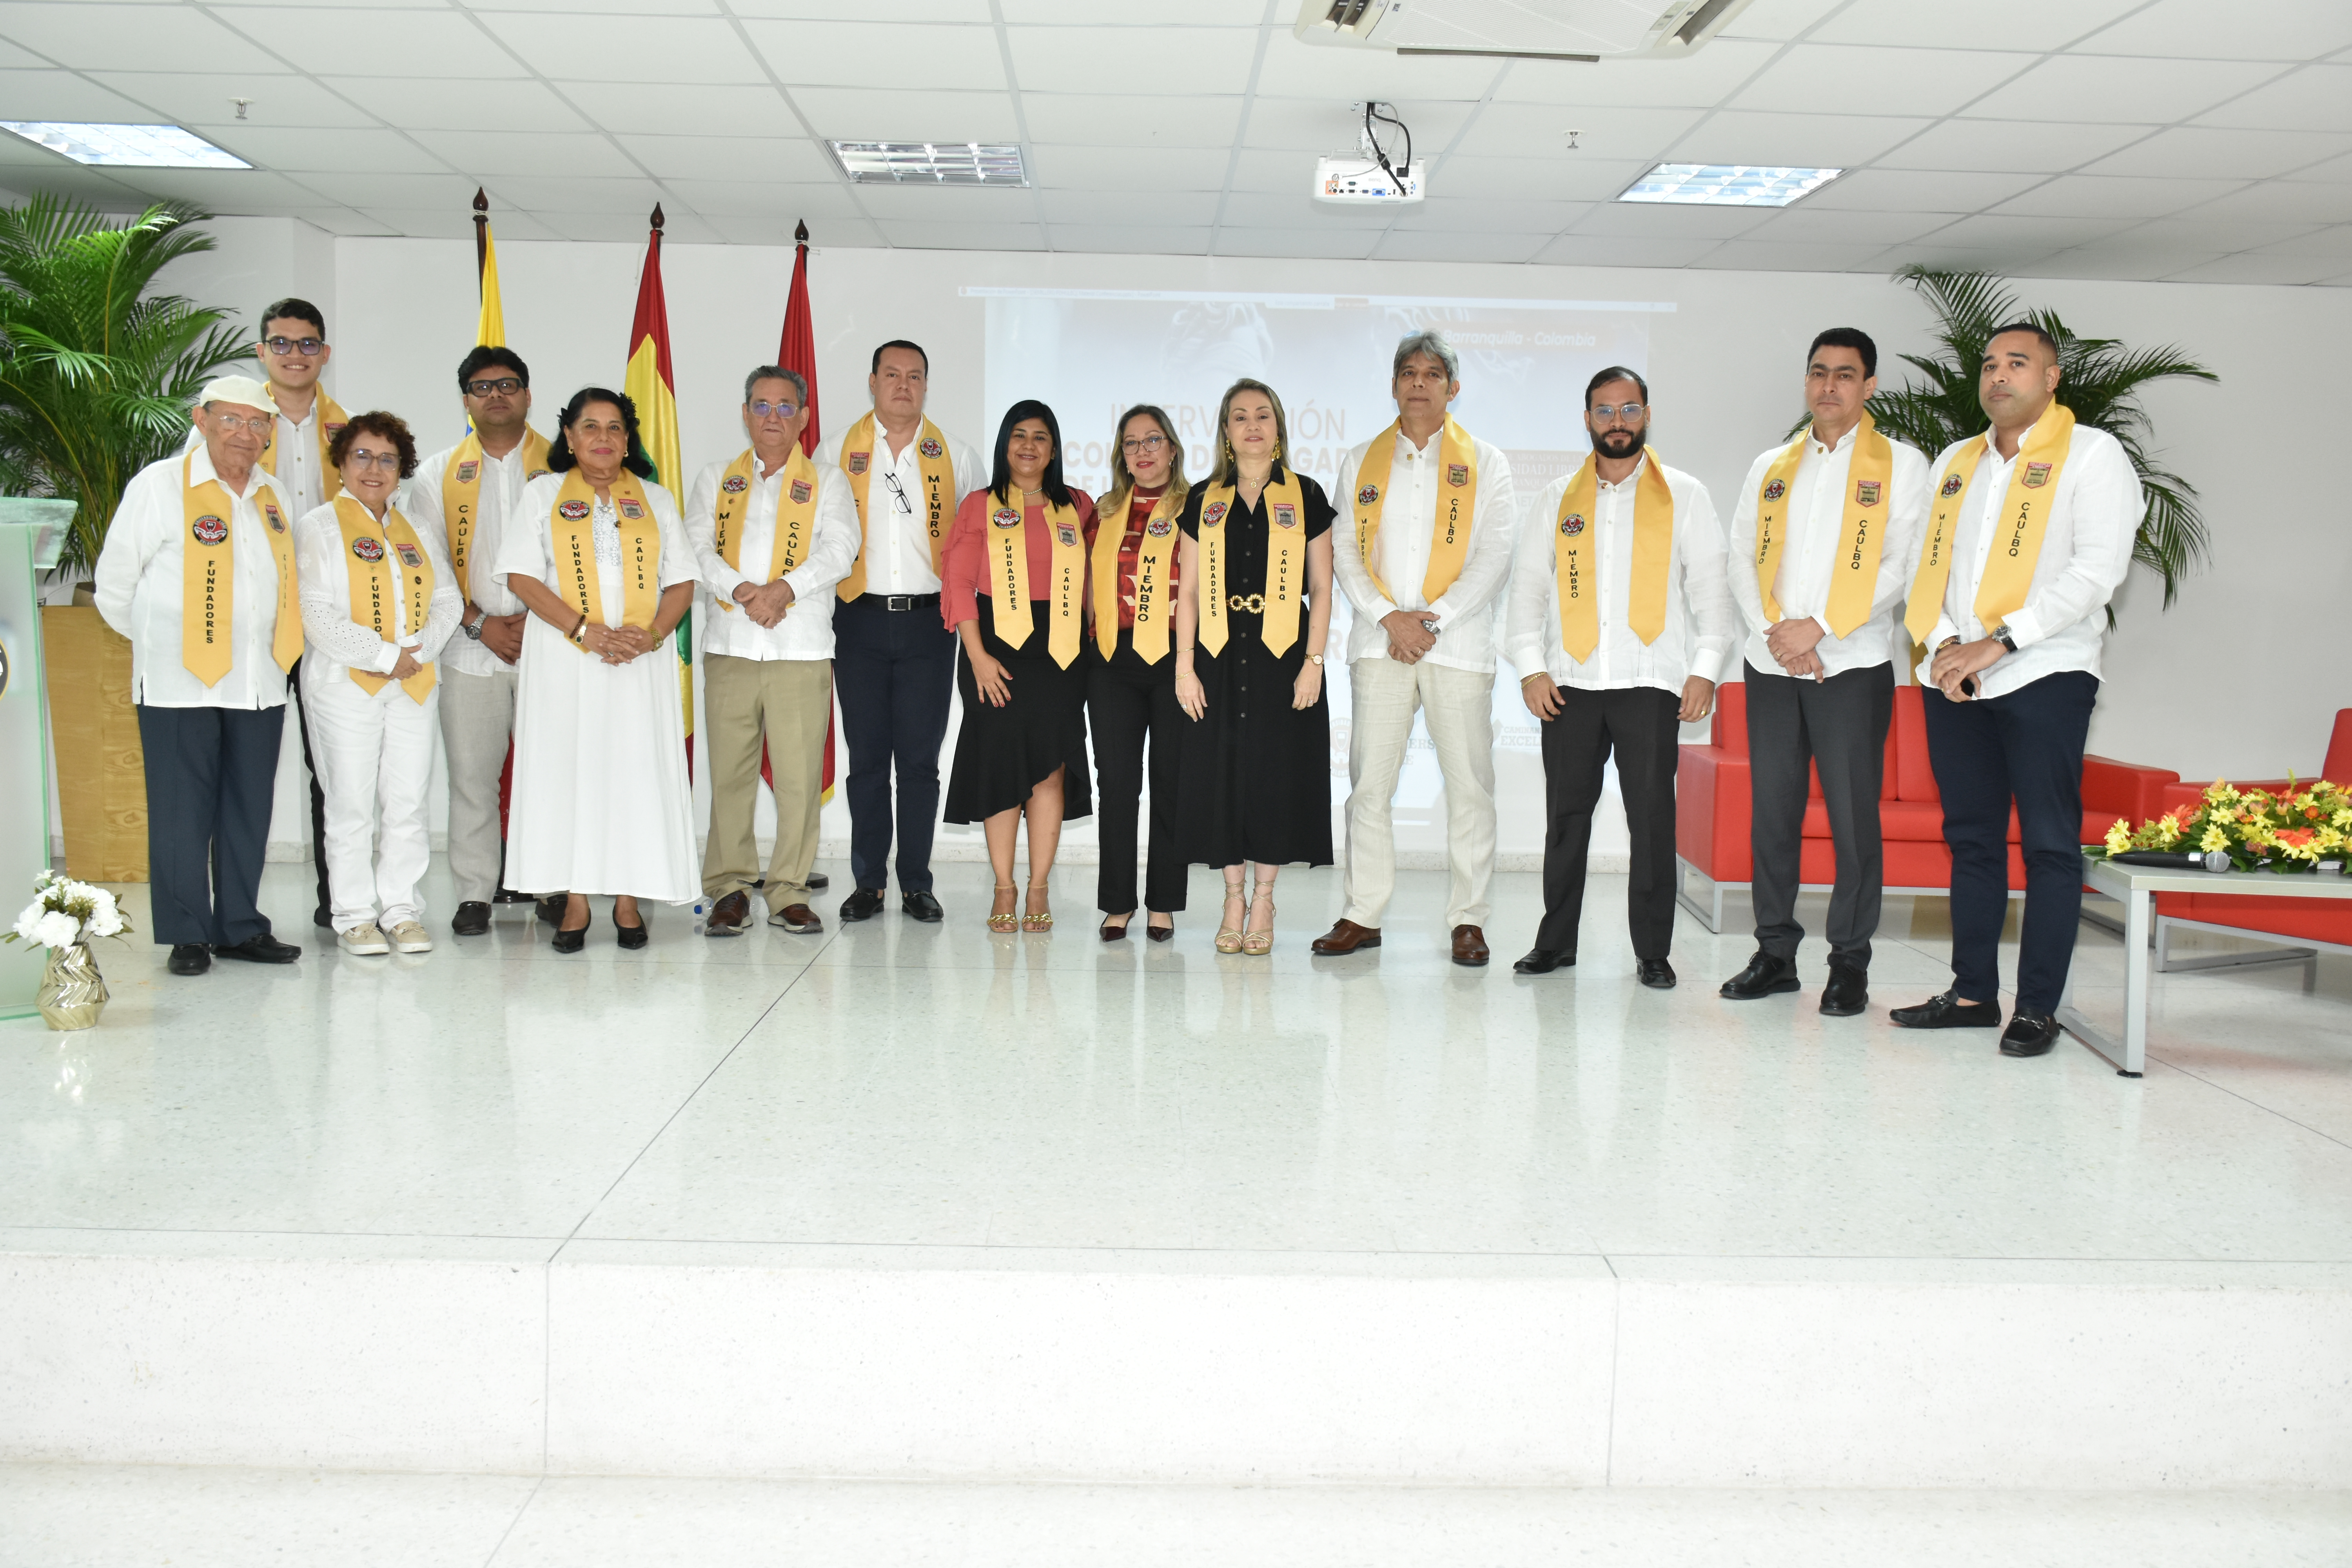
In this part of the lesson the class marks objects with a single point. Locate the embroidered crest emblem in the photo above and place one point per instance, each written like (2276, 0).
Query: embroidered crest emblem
(2036, 476)
(1213, 514)
(800, 492)
(1159, 527)
(1067, 534)
(276, 524)
(859, 460)
(1285, 515)
(1005, 517)
(1865, 492)
(334, 426)
(734, 484)
(631, 510)
(1367, 495)
(535, 474)
(409, 554)
(929, 447)
(574, 511)
(1457, 474)
(466, 470)
(368, 548)
(208, 530)
(1776, 490)
(1572, 524)
(1953, 485)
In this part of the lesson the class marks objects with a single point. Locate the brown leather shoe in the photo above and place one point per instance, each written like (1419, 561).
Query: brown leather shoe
(1470, 947)
(728, 916)
(1346, 937)
(798, 919)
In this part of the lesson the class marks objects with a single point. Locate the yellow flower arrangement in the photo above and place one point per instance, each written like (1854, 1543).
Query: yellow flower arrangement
(2292, 830)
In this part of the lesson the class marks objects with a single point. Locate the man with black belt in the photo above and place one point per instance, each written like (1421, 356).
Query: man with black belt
(1620, 622)
(1823, 545)
(894, 662)
(198, 572)
(2030, 533)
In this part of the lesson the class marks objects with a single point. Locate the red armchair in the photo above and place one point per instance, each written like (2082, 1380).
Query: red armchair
(1713, 801)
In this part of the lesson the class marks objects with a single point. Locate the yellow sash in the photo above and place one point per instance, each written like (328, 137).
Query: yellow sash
(208, 577)
(1286, 564)
(858, 451)
(795, 515)
(1869, 494)
(2024, 517)
(1008, 573)
(375, 556)
(1449, 542)
(331, 418)
(1576, 553)
(575, 525)
(1154, 556)
(461, 497)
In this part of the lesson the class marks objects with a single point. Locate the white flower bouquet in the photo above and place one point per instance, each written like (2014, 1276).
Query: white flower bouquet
(66, 914)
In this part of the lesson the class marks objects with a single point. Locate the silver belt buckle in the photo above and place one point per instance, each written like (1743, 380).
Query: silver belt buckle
(900, 602)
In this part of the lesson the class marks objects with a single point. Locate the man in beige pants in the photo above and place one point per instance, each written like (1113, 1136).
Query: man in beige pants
(1432, 510)
(773, 529)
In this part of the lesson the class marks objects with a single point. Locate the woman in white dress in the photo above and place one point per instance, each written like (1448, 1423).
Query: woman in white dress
(601, 799)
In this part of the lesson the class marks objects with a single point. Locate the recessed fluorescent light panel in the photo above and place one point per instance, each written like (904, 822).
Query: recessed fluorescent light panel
(932, 162)
(126, 146)
(1727, 186)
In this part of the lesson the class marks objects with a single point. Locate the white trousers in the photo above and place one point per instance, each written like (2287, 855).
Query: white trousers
(374, 760)
(1458, 706)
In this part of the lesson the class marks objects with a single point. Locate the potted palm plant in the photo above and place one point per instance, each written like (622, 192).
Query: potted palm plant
(97, 373)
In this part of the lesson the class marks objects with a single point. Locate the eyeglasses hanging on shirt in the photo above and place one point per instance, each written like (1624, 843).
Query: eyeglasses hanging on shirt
(898, 494)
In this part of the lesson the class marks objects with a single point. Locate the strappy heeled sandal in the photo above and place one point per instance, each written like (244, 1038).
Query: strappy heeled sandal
(1039, 922)
(1005, 924)
(1229, 937)
(1258, 943)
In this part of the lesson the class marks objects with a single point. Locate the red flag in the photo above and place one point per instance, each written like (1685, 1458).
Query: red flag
(797, 351)
(654, 389)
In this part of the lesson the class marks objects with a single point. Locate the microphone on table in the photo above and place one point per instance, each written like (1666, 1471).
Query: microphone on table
(2173, 859)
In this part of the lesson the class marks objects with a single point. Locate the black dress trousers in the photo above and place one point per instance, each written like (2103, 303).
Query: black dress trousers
(1795, 723)
(211, 773)
(1641, 727)
(1132, 706)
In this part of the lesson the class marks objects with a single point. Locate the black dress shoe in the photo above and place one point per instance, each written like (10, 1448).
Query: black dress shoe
(1947, 1011)
(570, 941)
(323, 918)
(632, 937)
(1764, 976)
(924, 907)
(472, 919)
(2029, 1034)
(818, 882)
(508, 895)
(1543, 961)
(1159, 933)
(551, 907)
(1655, 972)
(262, 949)
(862, 905)
(191, 958)
(1848, 992)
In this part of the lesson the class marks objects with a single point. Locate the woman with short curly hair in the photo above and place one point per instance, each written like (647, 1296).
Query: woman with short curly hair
(378, 601)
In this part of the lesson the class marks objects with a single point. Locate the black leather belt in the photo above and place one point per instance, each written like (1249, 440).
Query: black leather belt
(900, 601)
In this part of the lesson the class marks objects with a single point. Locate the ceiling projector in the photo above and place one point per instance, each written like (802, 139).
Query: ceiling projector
(1372, 175)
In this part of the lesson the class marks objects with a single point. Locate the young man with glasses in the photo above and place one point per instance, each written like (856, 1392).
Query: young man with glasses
(773, 529)
(894, 660)
(464, 495)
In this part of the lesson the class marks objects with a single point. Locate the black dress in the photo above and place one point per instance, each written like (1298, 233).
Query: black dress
(1256, 772)
(1003, 753)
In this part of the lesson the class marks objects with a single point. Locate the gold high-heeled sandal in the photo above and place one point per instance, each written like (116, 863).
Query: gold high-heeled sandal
(1258, 943)
(1007, 924)
(1037, 923)
(1229, 937)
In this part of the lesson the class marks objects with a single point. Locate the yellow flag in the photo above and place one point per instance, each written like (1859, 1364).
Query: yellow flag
(491, 332)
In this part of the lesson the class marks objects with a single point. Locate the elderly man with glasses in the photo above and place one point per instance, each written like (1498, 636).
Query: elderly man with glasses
(893, 659)
(773, 529)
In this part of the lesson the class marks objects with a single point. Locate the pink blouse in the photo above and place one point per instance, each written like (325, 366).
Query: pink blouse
(964, 561)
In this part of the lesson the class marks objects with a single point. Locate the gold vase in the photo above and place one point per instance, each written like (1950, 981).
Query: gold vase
(73, 993)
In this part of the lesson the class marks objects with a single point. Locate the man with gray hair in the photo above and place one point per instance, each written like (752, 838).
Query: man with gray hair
(1423, 568)
(774, 531)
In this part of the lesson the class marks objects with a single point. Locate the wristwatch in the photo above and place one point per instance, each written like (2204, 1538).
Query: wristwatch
(2000, 635)
(473, 628)
(1315, 658)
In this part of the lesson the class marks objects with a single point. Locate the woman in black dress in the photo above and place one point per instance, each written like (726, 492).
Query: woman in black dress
(1252, 610)
(1012, 586)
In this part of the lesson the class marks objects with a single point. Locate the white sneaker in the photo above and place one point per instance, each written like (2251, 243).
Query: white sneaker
(409, 936)
(364, 940)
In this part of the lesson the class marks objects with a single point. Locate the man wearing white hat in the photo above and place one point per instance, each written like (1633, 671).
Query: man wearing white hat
(198, 572)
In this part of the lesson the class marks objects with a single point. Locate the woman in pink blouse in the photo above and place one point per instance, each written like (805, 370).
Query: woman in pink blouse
(1012, 586)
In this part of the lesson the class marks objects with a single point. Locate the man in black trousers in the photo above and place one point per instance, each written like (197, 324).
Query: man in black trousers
(1822, 546)
(2030, 532)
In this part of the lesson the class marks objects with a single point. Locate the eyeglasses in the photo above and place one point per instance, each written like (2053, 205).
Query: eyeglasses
(763, 408)
(359, 459)
(309, 348)
(898, 494)
(507, 385)
(1143, 447)
(1630, 412)
(236, 424)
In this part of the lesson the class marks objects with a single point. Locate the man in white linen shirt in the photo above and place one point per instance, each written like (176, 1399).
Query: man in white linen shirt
(1423, 566)
(791, 534)
(464, 496)
(894, 661)
(2016, 633)
(1840, 508)
(1617, 662)
(211, 702)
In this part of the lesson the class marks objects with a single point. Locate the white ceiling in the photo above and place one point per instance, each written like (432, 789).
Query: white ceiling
(2129, 139)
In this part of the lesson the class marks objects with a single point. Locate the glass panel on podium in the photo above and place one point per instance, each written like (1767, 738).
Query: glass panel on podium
(31, 534)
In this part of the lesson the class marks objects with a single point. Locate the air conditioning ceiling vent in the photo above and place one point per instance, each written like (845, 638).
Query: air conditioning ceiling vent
(1559, 30)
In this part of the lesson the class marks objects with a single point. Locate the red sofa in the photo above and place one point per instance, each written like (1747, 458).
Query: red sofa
(1713, 801)
(2327, 921)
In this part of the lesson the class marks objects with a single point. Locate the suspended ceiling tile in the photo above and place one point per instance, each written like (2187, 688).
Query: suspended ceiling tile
(860, 114)
(2196, 30)
(2199, 152)
(893, 57)
(1623, 250)
(1297, 210)
(606, 227)
(371, 193)
(1079, 118)
(1808, 224)
(1317, 125)
(2282, 201)
(919, 236)
(975, 12)
(1129, 239)
(1338, 73)
(772, 158)
(1211, 13)
(628, 49)
(1348, 245)
(825, 206)
(649, 8)
(2023, 235)
(1169, 209)
(1779, 20)
(343, 152)
(1651, 221)
(2121, 261)
(2316, 98)
(1146, 60)
(2260, 266)
(273, 100)
(1759, 256)
(2114, 195)
(2194, 231)
(948, 204)
(1861, 80)
(1811, 141)
(1561, 177)
(558, 194)
(1918, 191)
(432, 104)
(1961, 258)
(527, 153)
(449, 223)
(2334, 241)
(2105, 89)
(414, 43)
(1425, 244)
(1701, 80)
(59, 95)
(1467, 216)
(126, 37)
(656, 108)
(1114, 167)
(1540, 131)
(2010, 146)
(2035, 25)
(756, 227)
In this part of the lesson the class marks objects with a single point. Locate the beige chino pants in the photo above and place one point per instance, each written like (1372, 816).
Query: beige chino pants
(1458, 706)
(787, 702)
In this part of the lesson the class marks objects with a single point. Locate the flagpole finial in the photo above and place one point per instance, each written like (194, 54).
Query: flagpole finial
(657, 217)
(800, 232)
(481, 204)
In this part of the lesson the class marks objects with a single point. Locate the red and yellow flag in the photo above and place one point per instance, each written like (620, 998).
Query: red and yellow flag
(797, 351)
(653, 388)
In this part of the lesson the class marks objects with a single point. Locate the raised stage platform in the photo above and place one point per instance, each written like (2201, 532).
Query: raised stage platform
(914, 1204)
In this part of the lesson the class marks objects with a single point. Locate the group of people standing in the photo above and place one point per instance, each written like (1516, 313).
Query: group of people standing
(515, 592)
